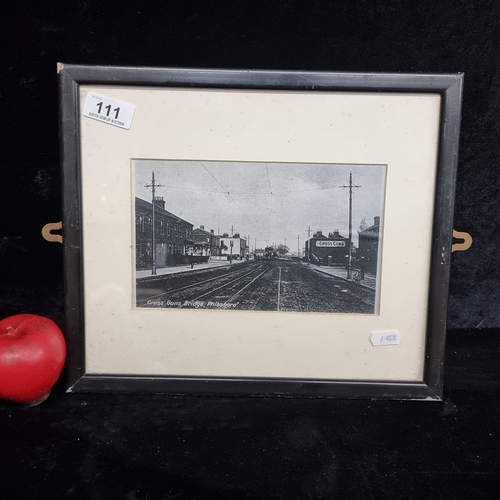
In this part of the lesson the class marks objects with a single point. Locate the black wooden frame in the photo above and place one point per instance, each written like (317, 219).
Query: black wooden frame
(449, 86)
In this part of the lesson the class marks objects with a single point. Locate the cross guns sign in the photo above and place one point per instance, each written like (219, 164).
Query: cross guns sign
(324, 243)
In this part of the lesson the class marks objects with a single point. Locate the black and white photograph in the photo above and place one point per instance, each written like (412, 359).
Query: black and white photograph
(258, 236)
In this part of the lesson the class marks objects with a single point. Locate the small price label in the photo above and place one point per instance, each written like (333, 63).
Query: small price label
(385, 338)
(108, 110)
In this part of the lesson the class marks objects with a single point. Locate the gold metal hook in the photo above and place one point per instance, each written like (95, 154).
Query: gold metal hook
(465, 245)
(57, 238)
(49, 236)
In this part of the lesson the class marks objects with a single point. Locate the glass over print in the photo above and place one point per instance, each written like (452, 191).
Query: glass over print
(258, 236)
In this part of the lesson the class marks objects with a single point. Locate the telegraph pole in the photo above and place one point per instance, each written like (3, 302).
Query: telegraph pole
(309, 246)
(298, 246)
(153, 187)
(351, 187)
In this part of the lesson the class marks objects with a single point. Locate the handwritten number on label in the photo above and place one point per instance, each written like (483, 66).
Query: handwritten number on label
(385, 338)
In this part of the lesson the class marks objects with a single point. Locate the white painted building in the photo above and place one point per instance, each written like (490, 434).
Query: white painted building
(237, 247)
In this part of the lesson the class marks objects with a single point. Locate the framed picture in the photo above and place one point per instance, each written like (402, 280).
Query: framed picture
(257, 232)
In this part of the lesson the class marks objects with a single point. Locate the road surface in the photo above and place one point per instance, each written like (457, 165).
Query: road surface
(264, 285)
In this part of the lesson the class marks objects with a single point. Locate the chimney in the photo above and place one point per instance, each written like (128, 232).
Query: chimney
(159, 202)
(202, 228)
(336, 233)
(211, 231)
(376, 221)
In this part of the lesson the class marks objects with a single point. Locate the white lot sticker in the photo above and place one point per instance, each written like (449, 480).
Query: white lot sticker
(108, 110)
(385, 338)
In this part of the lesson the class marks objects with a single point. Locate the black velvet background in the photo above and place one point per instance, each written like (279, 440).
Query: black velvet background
(446, 36)
(137, 447)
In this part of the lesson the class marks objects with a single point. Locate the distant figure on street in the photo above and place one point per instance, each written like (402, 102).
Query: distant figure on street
(191, 259)
(362, 267)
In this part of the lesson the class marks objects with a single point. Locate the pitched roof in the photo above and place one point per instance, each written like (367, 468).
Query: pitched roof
(148, 205)
(371, 229)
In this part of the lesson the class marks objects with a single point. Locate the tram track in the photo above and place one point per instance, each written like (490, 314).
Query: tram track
(220, 292)
(171, 293)
(247, 285)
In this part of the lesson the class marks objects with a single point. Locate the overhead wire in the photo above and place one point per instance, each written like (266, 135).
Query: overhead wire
(232, 199)
(255, 193)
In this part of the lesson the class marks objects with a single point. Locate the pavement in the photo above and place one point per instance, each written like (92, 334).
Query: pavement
(370, 281)
(185, 268)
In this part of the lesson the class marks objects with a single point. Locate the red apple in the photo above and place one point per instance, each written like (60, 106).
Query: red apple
(32, 354)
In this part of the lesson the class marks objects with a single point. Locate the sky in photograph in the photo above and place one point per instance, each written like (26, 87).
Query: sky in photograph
(270, 202)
